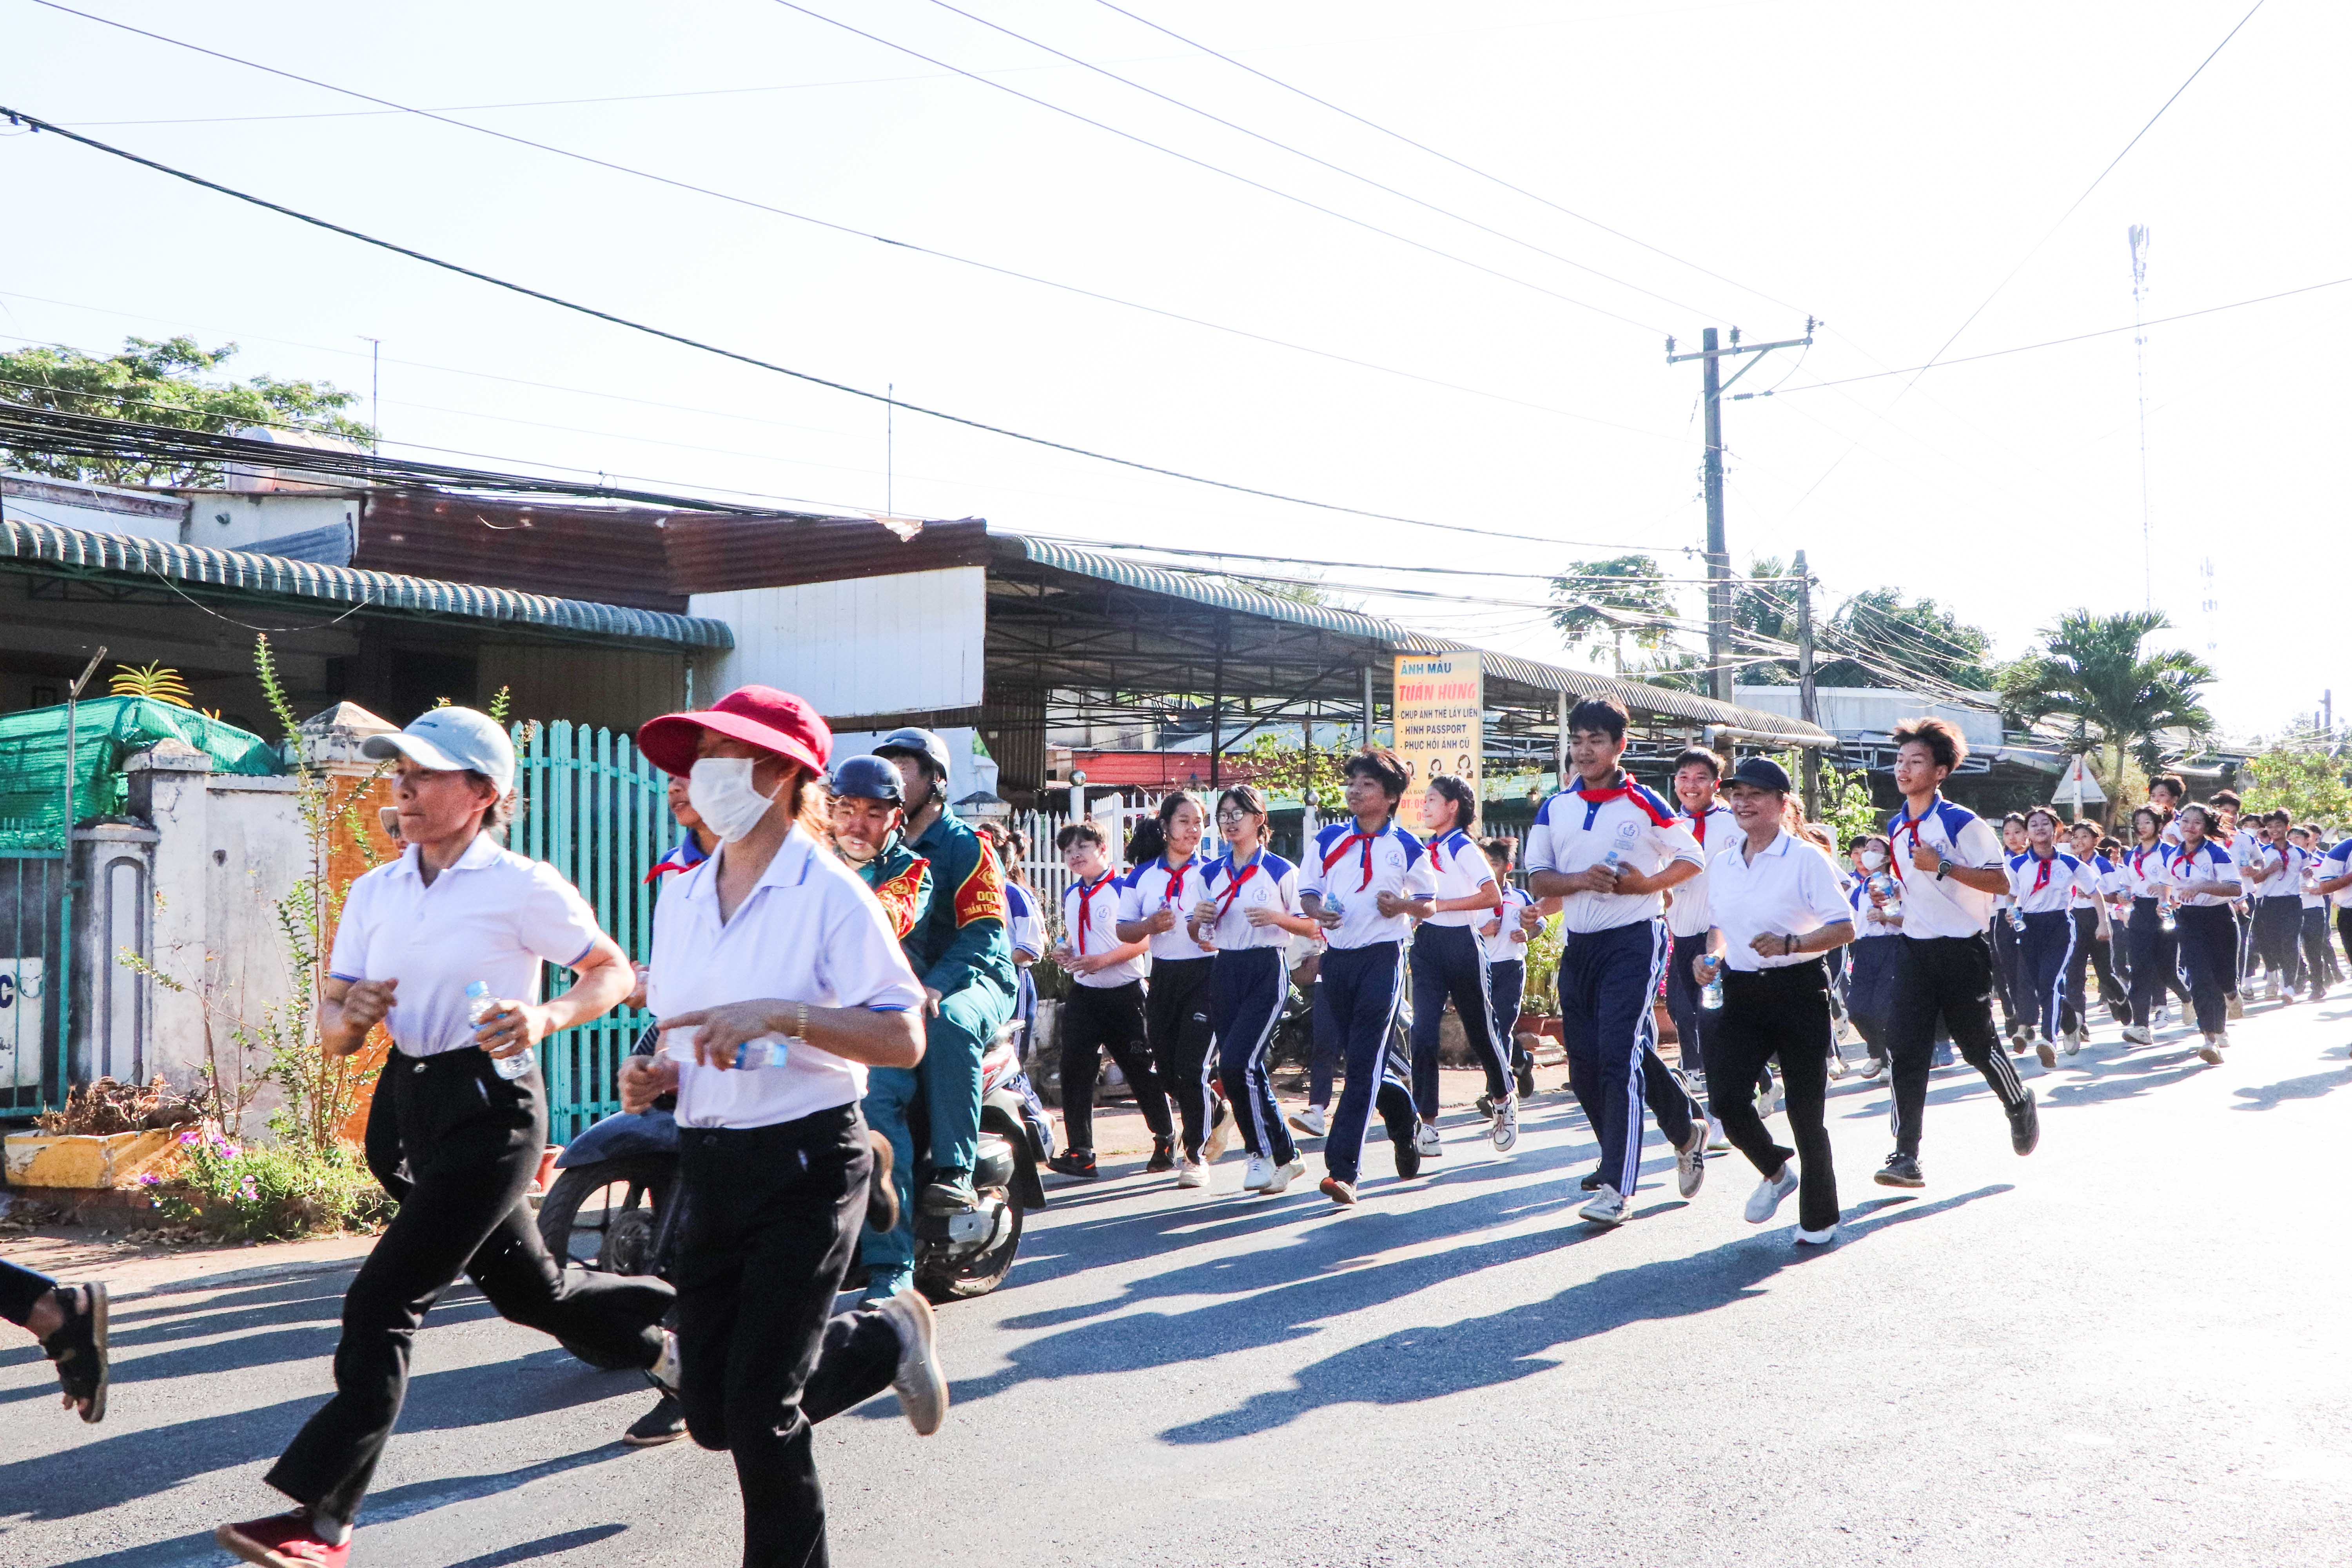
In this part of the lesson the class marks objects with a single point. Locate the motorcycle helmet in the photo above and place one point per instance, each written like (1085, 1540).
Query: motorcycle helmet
(917, 742)
(869, 778)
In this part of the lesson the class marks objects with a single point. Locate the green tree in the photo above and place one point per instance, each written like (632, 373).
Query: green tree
(2305, 783)
(1605, 603)
(1764, 609)
(2121, 698)
(1289, 772)
(168, 383)
(1920, 637)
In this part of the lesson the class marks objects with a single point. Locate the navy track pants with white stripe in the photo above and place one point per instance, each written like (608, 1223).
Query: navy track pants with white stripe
(2044, 946)
(1364, 987)
(1607, 981)
(1247, 987)
(1450, 962)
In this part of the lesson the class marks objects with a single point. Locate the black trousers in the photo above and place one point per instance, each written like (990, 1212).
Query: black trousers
(1506, 981)
(1608, 982)
(1364, 988)
(2154, 957)
(471, 1141)
(2008, 978)
(2046, 949)
(20, 1289)
(1098, 1018)
(2278, 936)
(1870, 988)
(1177, 1024)
(772, 1220)
(1784, 1012)
(1329, 1054)
(1246, 991)
(1947, 978)
(2316, 959)
(1682, 1004)
(2209, 952)
(2098, 955)
(1449, 963)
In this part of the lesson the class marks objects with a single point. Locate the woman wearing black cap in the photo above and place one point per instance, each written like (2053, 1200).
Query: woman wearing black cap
(1775, 908)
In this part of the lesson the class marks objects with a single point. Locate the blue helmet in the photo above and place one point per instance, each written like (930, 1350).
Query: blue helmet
(869, 778)
(916, 743)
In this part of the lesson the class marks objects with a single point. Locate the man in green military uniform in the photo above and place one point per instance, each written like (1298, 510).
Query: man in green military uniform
(869, 818)
(965, 962)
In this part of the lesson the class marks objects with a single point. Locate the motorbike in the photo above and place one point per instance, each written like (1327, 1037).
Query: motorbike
(612, 1203)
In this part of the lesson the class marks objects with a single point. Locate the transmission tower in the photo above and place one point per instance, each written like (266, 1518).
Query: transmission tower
(2139, 238)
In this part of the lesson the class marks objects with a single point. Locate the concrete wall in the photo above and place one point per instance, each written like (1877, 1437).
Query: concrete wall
(614, 689)
(866, 646)
(1857, 710)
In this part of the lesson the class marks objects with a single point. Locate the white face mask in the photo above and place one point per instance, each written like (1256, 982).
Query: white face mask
(719, 790)
(1871, 859)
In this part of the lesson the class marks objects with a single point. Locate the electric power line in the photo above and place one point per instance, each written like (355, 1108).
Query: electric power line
(16, 116)
(911, 247)
(1213, 168)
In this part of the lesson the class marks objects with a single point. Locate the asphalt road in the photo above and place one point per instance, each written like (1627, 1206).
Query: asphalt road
(2127, 1348)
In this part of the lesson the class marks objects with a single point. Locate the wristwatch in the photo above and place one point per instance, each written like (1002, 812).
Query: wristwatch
(1943, 866)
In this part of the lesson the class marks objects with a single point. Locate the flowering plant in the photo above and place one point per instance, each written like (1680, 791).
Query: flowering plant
(261, 1191)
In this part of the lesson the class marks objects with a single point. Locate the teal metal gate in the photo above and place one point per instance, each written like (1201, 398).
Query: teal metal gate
(36, 953)
(599, 812)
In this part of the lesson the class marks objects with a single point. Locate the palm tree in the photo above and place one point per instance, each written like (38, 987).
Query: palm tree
(2097, 671)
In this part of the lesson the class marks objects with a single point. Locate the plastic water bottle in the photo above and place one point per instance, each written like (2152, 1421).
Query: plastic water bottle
(1332, 905)
(1613, 863)
(1710, 996)
(479, 1005)
(1884, 886)
(2017, 917)
(2164, 921)
(752, 1055)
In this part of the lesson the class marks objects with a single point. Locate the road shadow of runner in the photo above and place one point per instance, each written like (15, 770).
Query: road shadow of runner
(87, 1478)
(1433, 1361)
(2271, 1096)
(396, 1503)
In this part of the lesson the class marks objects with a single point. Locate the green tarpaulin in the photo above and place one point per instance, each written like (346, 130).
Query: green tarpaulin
(107, 730)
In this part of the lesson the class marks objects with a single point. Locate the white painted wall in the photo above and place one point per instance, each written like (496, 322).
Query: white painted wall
(232, 520)
(899, 643)
(1848, 710)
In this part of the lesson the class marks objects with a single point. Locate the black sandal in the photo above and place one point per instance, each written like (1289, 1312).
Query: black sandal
(79, 1348)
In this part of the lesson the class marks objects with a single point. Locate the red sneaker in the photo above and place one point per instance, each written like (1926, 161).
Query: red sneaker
(282, 1541)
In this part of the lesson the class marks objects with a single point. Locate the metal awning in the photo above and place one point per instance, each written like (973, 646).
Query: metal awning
(199, 572)
(1062, 617)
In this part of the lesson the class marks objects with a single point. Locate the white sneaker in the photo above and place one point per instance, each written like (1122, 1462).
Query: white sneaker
(1717, 1139)
(2138, 1035)
(2210, 1050)
(1815, 1237)
(2047, 1051)
(1506, 1131)
(2271, 988)
(1313, 1121)
(1609, 1208)
(921, 1386)
(2237, 1008)
(1874, 1068)
(1189, 1173)
(1221, 1134)
(1690, 1161)
(1427, 1144)
(1284, 1175)
(1765, 1200)
(1260, 1174)
(2074, 1042)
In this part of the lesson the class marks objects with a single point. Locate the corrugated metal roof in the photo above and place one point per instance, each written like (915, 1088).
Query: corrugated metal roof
(714, 552)
(121, 556)
(606, 554)
(1638, 696)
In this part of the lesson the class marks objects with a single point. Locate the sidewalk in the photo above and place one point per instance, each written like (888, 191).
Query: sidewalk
(82, 1252)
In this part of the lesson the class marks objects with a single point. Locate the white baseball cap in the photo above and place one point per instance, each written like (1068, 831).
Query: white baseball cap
(451, 740)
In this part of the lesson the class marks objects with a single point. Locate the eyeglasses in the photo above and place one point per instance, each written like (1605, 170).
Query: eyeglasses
(1232, 814)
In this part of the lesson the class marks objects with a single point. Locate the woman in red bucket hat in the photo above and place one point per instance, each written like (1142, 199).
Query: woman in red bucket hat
(771, 943)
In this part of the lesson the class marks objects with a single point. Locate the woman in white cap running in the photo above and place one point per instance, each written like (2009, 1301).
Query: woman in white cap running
(444, 947)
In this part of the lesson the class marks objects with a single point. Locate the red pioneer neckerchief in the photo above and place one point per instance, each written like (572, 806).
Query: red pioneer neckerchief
(1241, 874)
(1340, 853)
(1902, 821)
(2041, 873)
(1176, 880)
(1086, 892)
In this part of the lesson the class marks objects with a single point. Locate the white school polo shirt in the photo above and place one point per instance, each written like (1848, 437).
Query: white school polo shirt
(1023, 928)
(2275, 884)
(2042, 886)
(2335, 863)
(1577, 828)
(1686, 901)
(1091, 921)
(1149, 888)
(810, 930)
(2207, 862)
(1867, 923)
(1355, 867)
(1268, 882)
(2145, 875)
(1460, 868)
(1788, 887)
(1508, 945)
(493, 916)
(1939, 907)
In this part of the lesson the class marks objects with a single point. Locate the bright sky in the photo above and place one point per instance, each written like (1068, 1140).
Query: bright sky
(1886, 168)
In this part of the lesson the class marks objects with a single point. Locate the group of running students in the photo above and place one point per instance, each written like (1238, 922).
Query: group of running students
(787, 939)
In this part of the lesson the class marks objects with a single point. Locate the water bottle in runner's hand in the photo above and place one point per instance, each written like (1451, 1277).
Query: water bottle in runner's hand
(752, 1055)
(1711, 996)
(479, 1005)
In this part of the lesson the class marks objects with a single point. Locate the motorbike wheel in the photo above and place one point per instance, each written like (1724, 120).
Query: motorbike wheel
(982, 1274)
(600, 1217)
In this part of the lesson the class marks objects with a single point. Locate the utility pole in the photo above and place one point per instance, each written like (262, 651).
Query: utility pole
(375, 393)
(1712, 387)
(1807, 705)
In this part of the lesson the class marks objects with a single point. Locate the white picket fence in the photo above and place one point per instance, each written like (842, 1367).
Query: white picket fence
(1042, 869)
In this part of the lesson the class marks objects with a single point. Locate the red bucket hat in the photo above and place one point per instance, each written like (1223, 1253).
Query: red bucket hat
(760, 716)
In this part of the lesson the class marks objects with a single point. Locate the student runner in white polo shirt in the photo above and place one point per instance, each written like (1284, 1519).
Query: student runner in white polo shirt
(2152, 956)
(1449, 963)
(1366, 881)
(2203, 879)
(1504, 936)
(1104, 1010)
(1608, 847)
(1153, 898)
(1776, 907)
(1698, 779)
(415, 934)
(775, 944)
(2277, 878)
(1950, 861)
(2044, 882)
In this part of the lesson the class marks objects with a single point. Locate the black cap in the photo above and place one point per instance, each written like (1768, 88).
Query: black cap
(1760, 773)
